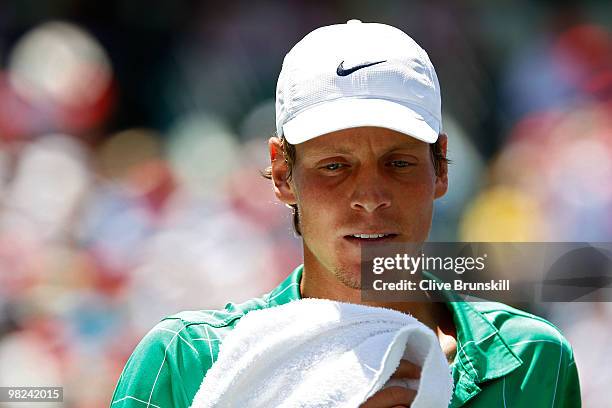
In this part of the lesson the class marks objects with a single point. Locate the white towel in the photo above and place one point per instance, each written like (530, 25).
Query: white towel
(320, 353)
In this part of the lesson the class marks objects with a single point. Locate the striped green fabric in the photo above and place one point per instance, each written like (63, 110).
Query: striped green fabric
(505, 357)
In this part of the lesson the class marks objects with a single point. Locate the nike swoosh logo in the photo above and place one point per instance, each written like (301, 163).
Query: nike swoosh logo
(341, 71)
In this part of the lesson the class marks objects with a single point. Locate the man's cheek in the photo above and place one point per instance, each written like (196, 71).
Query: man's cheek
(318, 225)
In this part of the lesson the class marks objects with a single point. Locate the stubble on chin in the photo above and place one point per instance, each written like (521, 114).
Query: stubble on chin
(347, 279)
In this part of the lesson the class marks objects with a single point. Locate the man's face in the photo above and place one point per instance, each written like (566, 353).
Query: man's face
(358, 181)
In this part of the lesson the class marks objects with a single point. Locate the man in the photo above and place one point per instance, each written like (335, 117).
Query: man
(360, 158)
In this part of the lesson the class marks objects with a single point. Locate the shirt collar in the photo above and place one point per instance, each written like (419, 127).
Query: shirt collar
(288, 290)
(482, 352)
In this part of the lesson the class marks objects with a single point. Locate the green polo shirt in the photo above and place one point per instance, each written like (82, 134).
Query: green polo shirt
(505, 357)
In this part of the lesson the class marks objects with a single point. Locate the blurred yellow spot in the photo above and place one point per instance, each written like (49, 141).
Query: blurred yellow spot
(502, 214)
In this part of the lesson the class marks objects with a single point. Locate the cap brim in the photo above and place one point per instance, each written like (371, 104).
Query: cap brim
(351, 113)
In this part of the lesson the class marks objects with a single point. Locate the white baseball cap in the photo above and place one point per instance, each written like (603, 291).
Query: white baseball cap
(357, 74)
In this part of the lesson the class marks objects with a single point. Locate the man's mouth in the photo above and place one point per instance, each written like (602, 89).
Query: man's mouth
(375, 237)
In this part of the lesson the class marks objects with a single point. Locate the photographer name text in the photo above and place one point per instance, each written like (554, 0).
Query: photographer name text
(498, 285)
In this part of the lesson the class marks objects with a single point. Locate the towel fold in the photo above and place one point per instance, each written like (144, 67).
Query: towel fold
(320, 353)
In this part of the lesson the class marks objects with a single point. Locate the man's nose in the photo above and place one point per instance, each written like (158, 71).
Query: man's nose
(370, 193)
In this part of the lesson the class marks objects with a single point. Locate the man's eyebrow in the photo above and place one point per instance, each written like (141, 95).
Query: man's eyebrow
(325, 150)
(409, 145)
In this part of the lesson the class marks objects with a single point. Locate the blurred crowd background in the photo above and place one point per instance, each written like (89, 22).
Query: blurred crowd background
(132, 134)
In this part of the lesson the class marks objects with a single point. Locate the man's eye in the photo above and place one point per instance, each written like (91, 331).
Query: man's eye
(400, 163)
(333, 166)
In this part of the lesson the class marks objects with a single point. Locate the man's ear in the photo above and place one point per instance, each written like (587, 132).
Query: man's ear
(280, 172)
(442, 178)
